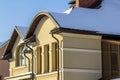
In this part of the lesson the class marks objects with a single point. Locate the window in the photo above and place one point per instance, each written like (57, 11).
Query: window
(39, 60)
(54, 56)
(110, 54)
(20, 58)
(114, 60)
(46, 58)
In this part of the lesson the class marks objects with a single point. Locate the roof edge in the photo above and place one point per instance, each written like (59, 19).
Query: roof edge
(19, 32)
(88, 32)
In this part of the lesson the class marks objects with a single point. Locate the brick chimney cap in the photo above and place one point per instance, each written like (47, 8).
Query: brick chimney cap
(72, 2)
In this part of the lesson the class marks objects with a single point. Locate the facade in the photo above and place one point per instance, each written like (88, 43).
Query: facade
(4, 65)
(53, 49)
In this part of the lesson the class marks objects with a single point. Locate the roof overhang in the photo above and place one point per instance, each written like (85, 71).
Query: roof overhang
(87, 32)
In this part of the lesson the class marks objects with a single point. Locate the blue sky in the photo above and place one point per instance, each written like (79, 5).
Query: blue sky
(21, 13)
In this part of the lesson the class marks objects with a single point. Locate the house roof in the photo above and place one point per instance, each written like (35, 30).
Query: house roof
(104, 20)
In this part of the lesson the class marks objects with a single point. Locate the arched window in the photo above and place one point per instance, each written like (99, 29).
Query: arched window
(20, 58)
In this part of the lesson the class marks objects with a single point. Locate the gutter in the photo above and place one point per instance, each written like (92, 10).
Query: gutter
(87, 32)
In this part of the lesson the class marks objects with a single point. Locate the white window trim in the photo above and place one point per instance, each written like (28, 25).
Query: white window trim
(19, 67)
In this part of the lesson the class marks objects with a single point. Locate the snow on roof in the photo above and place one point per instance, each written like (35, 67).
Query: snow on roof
(105, 19)
(68, 11)
(22, 30)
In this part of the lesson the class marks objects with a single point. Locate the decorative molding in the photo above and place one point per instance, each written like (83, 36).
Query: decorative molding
(80, 35)
(82, 50)
(82, 70)
(19, 67)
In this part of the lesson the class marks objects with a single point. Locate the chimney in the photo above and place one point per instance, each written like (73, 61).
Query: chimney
(86, 3)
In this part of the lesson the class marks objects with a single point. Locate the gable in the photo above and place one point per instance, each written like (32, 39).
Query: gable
(16, 37)
(43, 30)
(36, 21)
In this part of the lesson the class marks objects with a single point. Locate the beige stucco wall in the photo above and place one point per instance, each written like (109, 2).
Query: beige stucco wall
(81, 57)
(81, 41)
(81, 76)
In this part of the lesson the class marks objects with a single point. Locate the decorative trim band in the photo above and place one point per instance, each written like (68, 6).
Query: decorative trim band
(82, 50)
(83, 70)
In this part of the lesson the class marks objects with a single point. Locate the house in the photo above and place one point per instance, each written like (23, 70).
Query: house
(4, 65)
(78, 44)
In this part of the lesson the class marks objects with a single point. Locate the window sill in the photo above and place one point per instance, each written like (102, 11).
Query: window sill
(19, 67)
(45, 74)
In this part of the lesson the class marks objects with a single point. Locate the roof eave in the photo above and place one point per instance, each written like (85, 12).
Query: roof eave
(88, 32)
(68, 30)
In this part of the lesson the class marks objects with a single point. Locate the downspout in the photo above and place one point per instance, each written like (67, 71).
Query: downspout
(26, 41)
(28, 60)
(32, 61)
(57, 56)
